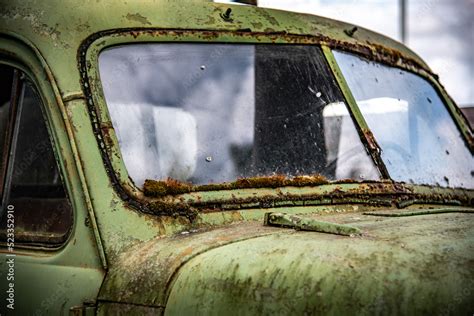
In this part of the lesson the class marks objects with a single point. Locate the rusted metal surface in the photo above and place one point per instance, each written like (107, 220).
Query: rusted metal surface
(468, 113)
(337, 192)
(371, 50)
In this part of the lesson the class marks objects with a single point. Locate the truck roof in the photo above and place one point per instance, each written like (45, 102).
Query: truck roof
(57, 28)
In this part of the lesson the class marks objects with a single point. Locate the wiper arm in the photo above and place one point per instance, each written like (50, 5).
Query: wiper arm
(308, 224)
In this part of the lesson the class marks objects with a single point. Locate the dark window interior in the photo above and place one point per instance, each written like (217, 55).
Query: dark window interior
(6, 84)
(32, 184)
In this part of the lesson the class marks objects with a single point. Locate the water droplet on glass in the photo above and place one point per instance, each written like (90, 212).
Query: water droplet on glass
(318, 94)
(202, 67)
(362, 176)
(208, 158)
(284, 125)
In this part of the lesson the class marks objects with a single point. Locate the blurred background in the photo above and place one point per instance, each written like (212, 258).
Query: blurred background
(440, 31)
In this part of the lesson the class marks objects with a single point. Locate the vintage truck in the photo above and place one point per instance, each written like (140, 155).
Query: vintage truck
(190, 157)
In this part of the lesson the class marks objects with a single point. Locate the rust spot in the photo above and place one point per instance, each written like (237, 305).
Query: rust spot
(105, 128)
(172, 209)
(370, 139)
(384, 193)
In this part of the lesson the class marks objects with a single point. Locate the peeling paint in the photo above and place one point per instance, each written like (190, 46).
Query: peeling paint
(137, 17)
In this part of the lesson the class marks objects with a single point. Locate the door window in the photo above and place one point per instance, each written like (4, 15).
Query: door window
(33, 192)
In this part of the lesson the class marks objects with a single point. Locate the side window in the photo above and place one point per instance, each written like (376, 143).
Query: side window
(6, 86)
(33, 189)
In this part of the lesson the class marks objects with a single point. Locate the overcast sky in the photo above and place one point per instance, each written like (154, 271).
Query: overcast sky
(440, 31)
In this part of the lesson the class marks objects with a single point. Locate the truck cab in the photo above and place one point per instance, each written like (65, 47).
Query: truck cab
(175, 157)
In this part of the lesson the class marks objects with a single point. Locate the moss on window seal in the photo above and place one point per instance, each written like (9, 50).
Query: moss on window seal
(158, 188)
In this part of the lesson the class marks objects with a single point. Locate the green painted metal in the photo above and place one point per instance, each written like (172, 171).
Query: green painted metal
(419, 212)
(301, 223)
(58, 36)
(400, 266)
(223, 259)
(47, 278)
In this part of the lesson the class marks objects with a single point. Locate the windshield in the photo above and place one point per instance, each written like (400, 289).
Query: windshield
(210, 113)
(419, 140)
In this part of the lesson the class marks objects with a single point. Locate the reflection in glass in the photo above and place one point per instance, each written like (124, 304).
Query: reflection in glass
(42, 209)
(207, 113)
(419, 140)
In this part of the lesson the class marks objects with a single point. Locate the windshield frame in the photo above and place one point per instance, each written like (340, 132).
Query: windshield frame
(107, 139)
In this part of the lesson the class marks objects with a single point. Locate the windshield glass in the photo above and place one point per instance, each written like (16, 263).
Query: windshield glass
(419, 140)
(210, 113)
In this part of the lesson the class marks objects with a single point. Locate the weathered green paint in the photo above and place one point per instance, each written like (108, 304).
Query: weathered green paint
(58, 36)
(45, 277)
(302, 223)
(419, 212)
(400, 266)
(224, 260)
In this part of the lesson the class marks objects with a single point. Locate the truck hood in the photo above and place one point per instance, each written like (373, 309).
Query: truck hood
(408, 265)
